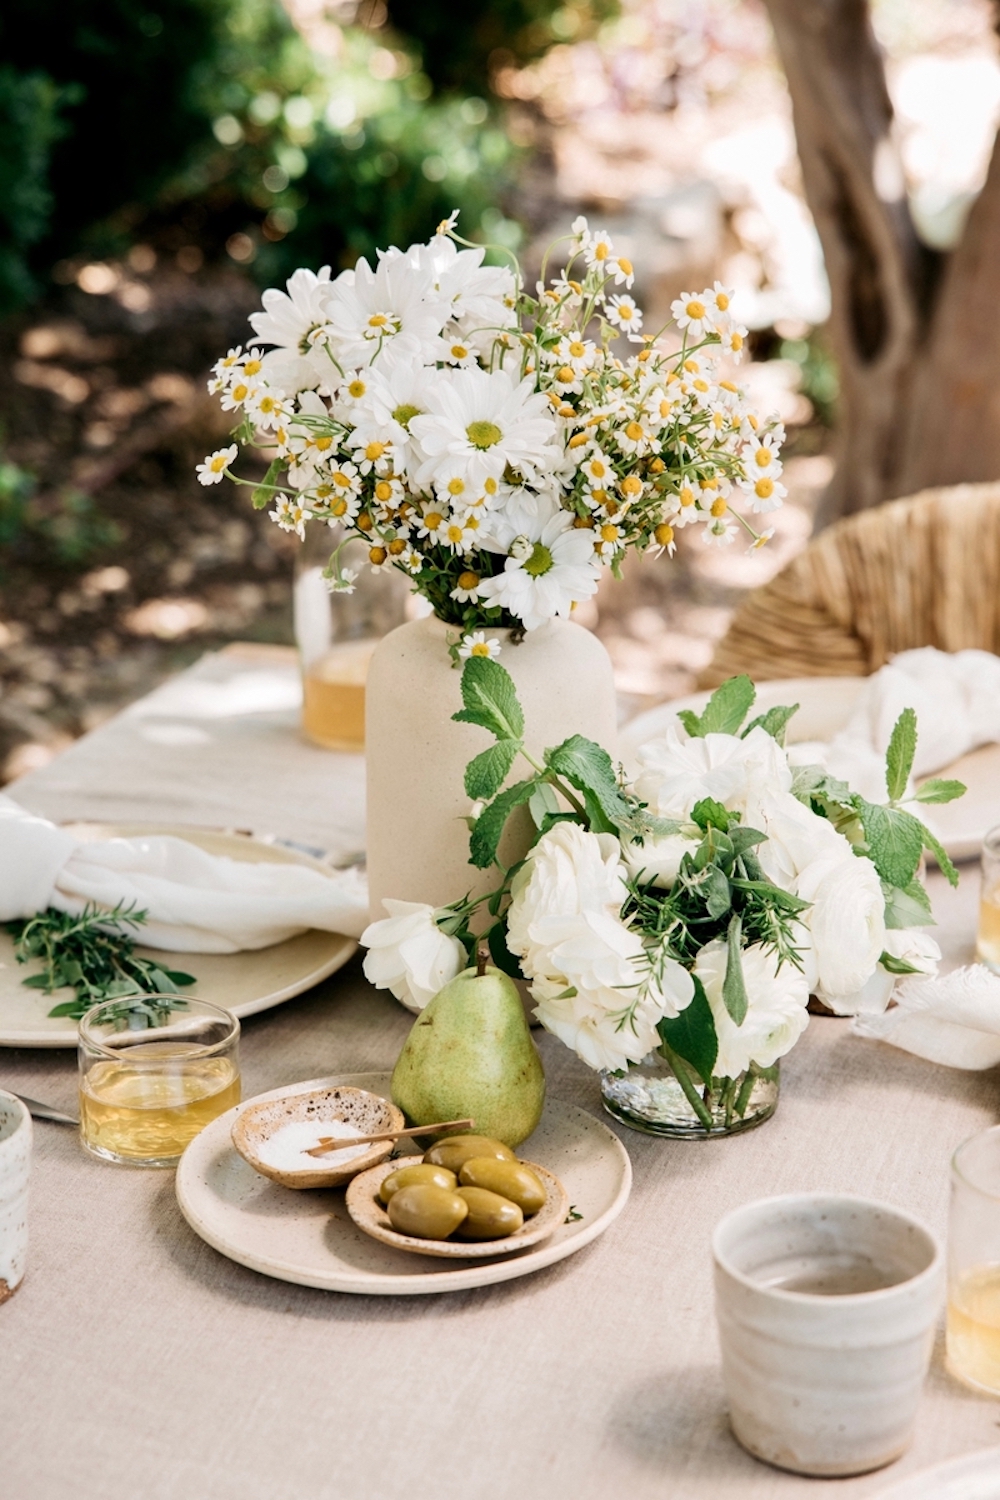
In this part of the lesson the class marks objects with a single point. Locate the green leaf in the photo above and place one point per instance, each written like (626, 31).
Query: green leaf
(710, 814)
(485, 837)
(774, 722)
(895, 840)
(935, 847)
(907, 908)
(501, 955)
(899, 756)
(893, 965)
(543, 804)
(937, 790)
(42, 982)
(692, 1034)
(589, 770)
(179, 977)
(263, 494)
(734, 990)
(812, 781)
(717, 892)
(743, 838)
(486, 774)
(490, 699)
(725, 710)
(73, 1008)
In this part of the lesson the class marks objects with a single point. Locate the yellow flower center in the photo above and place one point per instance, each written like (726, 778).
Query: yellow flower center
(378, 320)
(338, 508)
(695, 309)
(752, 420)
(396, 547)
(633, 431)
(480, 649)
(383, 491)
(764, 488)
(219, 463)
(578, 440)
(577, 349)
(719, 507)
(491, 486)
(404, 415)
(456, 486)
(483, 434)
(240, 392)
(597, 468)
(342, 479)
(252, 367)
(433, 520)
(364, 522)
(322, 443)
(584, 523)
(721, 301)
(602, 250)
(601, 496)
(700, 385)
(625, 312)
(454, 534)
(664, 534)
(374, 451)
(736, 342)
(657, 466)
(468, 580)
(609, 533)
(686, 496)
(632, 486)
(762, 458)
(356, 389)
(727, 385)
(625, 265)
(377, 555)
(565, 375)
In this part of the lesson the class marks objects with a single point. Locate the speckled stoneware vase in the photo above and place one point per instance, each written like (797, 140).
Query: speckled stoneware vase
(418, 840)
(15, 1161)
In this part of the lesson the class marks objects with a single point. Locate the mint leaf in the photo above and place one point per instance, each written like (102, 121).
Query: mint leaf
(907, 908)
(543, 804)
(734, 991)
(895, 840)
(937, 790)
(728, 707)
(692, 1034)
(899, 756)
(490, 699)
(893, 965)
(486, 774)
(935, 847)
(496, 940)
(711, 814)
(485, 837)
(589, 770)
(774, 722)
(690, 720)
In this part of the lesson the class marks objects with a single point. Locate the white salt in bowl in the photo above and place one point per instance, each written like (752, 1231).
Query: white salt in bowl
(271, 1135)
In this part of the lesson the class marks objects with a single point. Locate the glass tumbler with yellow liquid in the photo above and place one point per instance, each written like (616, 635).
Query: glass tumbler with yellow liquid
(973, 1338)
(336, 635)
(988, 936)
(146, 1093)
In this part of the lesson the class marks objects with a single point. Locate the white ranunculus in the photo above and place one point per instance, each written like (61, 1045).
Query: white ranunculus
(796, 836)
(679, 770)
(913, 946)
(846, 923)
(658, 860)
(776, 1011)
(568, 871)
(409, 954)
(909, 944)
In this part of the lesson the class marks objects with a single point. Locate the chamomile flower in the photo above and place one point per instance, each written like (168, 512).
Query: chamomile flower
(466, 590)
(693, 314)
(761, 458)
(719, 302)
(761, 540)
(411, 560)
(290, 515)
(764, 494)
(344, 581)
(623, 312)
(720, 532)
(373, 454)
(597, 248)
(432, 519)
(734, 342)
(238, 393)
(634, 438)
(459, 535)
(266, 408)
(573, 350)
(213, 469)
(477, 643)
(458, 351)
(621, 269)
(597, 469)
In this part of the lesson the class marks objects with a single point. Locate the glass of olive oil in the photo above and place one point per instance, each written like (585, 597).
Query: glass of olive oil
(145, 1093)
(973, 1335)
(988, 937)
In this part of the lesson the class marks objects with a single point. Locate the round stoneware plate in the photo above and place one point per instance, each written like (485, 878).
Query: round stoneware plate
(241, 982)
(974, 1477)
(368, 1213)
(825, 705)
(309, 1238)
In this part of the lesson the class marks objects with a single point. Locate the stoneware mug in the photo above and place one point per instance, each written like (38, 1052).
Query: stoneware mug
(826, 1308)
(15, 1161)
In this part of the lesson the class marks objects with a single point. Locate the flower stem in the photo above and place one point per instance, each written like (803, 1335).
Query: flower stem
(746, 1089)
(680, 1072)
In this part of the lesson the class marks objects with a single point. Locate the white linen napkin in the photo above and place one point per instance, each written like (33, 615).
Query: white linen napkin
(197, 902)
(953, 1019)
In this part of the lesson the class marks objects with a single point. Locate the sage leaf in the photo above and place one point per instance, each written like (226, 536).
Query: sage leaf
(938, 790)
(899, 756)
(484, 840)
(490, 699)
(734, 990)
(486, 774)
(692, 1034)
(717, 892)
(895, 840)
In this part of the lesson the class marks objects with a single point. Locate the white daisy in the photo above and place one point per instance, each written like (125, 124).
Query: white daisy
(721, 531)
(290, 515)
(693, 314)
(213, 469)
(390, 307)
(545, 577)
(764, 494)
(289, 320)
(477, 643)
(623, 312)
(489, 422)
(467, 588)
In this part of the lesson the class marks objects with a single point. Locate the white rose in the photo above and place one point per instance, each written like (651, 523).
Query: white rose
(776, 1008)
(679, 770)
(658, 860)
(410, 955)
(568, 871)
(846, 922)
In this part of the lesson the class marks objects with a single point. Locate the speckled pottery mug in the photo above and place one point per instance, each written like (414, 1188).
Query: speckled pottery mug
(826, 1307)
(15, 1162)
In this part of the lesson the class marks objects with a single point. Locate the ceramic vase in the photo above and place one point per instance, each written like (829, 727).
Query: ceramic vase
(418, 839)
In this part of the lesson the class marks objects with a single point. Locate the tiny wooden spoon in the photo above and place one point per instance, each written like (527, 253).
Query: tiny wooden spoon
(328, 1143)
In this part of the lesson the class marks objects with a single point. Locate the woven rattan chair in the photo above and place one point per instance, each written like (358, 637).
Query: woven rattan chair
(924, 571)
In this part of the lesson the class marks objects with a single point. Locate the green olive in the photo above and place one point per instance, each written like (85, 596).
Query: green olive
(490, 1216)
(511, 1179)
(414, 1172)
(429, 1212)
(455, 1150)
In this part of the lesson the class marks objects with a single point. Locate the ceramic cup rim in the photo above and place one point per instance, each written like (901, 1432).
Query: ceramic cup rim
(958, 1174)
(815, 1299)
(24, 1120)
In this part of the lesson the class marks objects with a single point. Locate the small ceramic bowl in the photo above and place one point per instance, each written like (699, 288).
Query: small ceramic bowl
(365, 1208)
(367, 1113)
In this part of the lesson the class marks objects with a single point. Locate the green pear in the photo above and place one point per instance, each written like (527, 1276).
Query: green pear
(470, 1056)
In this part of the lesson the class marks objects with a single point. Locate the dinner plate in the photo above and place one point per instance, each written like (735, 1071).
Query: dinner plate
(309, 1238)
(825, 705)
(244, 983)
(974, 1477)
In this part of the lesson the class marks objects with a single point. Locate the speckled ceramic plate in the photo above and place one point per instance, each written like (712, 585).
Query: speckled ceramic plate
(368, 1213)
(309, 1238)
(974, 1477)
(244, 983)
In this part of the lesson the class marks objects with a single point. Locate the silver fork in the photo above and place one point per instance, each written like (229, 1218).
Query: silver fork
(45, 1111)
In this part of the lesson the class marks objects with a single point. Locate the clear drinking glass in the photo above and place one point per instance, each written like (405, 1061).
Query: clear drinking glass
(974, 1262)
(336, 635)
(988, 938)
(145, 1093)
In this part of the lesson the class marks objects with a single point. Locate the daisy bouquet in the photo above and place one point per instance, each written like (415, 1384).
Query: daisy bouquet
(692, 911)
(499, 446)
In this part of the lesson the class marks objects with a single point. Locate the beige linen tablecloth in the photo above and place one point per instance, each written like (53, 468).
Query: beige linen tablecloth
(136, 1361)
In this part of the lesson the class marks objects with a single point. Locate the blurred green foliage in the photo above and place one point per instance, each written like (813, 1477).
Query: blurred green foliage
(218, 120)
(819, 380)
(66, 529)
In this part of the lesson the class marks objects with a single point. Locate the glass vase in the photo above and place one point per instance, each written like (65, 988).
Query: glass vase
(650, 1098)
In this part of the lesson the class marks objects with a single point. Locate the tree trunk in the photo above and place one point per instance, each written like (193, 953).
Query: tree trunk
(918, 353)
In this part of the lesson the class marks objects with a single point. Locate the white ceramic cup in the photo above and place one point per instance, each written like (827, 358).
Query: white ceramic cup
(825, 1379)
(15, 1162)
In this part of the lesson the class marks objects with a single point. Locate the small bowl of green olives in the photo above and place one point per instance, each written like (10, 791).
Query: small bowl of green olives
(467, 1198)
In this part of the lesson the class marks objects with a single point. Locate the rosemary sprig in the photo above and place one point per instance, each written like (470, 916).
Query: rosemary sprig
(94, 954)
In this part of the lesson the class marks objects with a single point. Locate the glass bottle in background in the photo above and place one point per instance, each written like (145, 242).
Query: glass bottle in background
(336, 635)
(988, 938)
(973, 1332)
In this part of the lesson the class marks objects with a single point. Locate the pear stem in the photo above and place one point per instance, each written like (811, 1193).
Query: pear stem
(482, 958)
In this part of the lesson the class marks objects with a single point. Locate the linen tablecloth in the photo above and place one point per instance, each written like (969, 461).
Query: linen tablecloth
(135, 1360)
